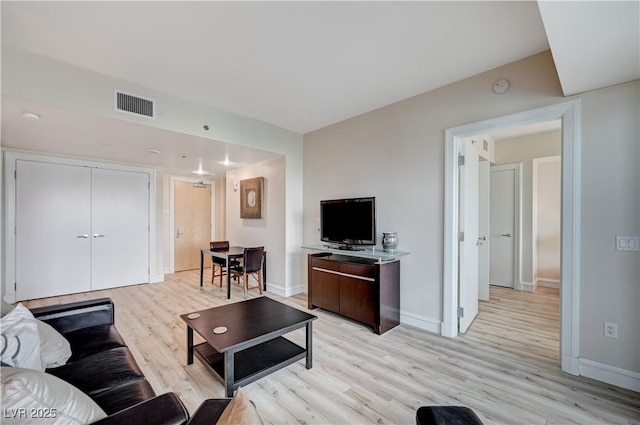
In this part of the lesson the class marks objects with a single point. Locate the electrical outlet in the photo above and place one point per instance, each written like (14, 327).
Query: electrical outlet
(611, 329)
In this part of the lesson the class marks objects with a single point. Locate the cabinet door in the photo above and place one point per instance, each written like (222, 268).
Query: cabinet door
(53, 243)
(326, 290)
(357, 299)
(120, 228)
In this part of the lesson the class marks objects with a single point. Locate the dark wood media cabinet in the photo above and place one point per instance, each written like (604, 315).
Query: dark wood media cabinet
(361, 289)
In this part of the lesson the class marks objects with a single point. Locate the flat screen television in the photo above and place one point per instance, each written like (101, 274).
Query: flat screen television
(348, 222)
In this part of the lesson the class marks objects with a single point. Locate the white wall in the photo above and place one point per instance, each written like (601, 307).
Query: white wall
(270, 230)
(546, 227)
(39, 79)
(524, 149)
(396, 153)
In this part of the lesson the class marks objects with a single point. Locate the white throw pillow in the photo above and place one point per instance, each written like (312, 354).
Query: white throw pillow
(55, 350)
(20, 340)
(32, 397)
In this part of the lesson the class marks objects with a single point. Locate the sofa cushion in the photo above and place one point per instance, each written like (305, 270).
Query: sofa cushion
(20, 340)
(85, 342)
(100, 371)
(123, 396)
(30, 396)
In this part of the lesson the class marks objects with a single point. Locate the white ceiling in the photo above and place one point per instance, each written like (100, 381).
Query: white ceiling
(84, 135)
(305, 65)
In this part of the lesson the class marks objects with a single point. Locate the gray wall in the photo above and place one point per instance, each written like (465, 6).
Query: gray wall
(396, 153)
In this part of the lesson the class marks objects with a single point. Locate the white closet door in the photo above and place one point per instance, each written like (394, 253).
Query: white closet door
(53, 243)
(120, 228)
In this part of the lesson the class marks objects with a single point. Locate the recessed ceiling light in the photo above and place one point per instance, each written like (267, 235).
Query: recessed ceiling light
(153, 151)
(30, 116)
(226, 162)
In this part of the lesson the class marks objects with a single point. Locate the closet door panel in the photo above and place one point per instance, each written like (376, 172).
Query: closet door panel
(53, 243)
(120, 228)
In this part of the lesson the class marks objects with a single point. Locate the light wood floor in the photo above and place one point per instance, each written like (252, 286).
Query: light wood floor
(505, 367)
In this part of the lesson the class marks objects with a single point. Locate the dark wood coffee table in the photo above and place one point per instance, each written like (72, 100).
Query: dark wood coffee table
(253, 345)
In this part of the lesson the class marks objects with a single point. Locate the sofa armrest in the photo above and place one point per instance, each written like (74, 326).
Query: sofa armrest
(209, 411)
(78, 315)
(165, 409)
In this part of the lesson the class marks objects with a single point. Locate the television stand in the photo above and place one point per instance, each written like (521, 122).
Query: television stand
(357, 287)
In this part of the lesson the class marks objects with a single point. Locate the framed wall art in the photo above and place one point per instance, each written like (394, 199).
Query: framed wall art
(251, 197)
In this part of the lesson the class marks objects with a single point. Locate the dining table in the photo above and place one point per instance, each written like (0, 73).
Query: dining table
(229, 255)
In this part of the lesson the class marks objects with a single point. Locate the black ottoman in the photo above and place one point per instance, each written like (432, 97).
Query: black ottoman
(446, 415)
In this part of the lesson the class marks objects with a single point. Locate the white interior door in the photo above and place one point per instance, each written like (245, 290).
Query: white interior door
(483, 231)
(468, 214)
(53, 242)
(120, 228)
(502, 219)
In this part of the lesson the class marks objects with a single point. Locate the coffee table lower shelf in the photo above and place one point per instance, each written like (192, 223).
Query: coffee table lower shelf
(251, 363)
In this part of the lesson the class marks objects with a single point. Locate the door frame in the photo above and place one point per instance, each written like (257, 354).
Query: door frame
(9, 210)
(570, 113)
(172, 229)
(517, 224)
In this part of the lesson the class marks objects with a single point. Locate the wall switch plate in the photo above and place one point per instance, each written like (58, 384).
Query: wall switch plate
(611, 329)
(627, 243)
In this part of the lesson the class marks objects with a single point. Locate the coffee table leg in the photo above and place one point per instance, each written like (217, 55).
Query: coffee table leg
(309, 345)
(228, 374)
(189, 345)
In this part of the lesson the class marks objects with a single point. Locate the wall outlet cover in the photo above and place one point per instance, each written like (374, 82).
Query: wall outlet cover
(611, 329)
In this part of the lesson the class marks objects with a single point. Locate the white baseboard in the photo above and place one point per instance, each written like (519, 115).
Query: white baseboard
(156, 278)
(285, 292)
(549, 283)
(9, 297)
(421, 322)
(570, 365)
(526, 286)
(610, 374)
(167, 270)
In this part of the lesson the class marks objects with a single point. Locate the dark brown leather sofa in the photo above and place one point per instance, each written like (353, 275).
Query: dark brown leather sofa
(102, 366)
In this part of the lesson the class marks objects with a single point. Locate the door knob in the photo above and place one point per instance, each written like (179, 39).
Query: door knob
(82, 236)
(98, 236)
(178, 233)
(508, 235)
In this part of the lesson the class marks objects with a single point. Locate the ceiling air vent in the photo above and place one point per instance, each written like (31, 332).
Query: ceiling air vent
(134, 104)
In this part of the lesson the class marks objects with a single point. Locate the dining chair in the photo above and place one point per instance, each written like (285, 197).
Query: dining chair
(218, 263)
(251, 266)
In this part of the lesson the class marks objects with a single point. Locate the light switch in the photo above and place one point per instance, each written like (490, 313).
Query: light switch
(627, 243)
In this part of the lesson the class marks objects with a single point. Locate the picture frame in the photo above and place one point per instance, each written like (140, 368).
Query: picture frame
(251, 198)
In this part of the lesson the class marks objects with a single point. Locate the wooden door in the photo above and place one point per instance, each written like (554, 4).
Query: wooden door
(53, 229)
(503, 201)
(120, 228)
(192, 224)
(469, 221)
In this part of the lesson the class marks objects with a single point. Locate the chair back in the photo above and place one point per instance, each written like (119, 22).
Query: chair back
(253, 259)
(218, 245)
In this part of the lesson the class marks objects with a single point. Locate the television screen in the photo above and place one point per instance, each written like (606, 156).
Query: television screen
(348, 221)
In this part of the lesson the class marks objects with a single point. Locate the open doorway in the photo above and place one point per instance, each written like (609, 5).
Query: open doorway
(454, 138)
